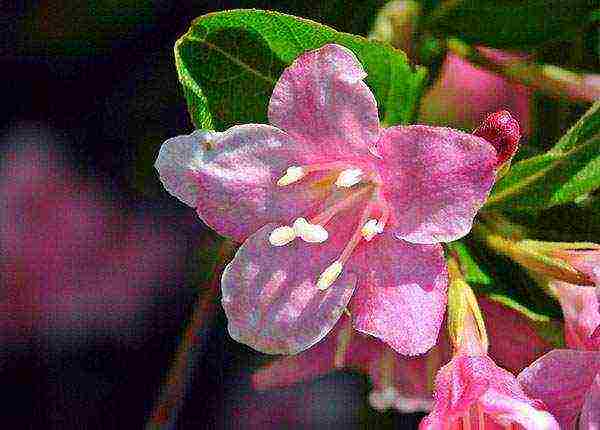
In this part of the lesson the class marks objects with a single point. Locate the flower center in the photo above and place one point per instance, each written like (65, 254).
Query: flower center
(358, 185)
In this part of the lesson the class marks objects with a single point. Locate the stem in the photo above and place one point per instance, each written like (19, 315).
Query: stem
(549, 79)
(180, 374)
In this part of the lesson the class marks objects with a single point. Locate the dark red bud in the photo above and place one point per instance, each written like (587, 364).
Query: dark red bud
(503, 132)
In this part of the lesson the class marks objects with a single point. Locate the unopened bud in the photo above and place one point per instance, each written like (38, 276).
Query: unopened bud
(502, 130)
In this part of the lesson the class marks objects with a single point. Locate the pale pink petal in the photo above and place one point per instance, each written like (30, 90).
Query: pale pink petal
(524, 344)
(321, 100)
(177, 162)
(238, 191)
(580, 309)
(401, 297)
(436, 179)
(590, 413)
(561, 380)
(270, 294)
(468, 383)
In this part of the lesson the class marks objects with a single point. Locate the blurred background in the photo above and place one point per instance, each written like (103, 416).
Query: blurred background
(100, 268)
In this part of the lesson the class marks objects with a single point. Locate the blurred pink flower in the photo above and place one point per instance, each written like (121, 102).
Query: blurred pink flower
(73, 262)
(568, 381)
(388, 197)
(464, 94)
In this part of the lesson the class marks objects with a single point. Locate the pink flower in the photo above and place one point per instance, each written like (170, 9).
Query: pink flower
(580, 303)
(403, 383)
(471, 391)
(568, 381)
(331, 206)
(464, 94)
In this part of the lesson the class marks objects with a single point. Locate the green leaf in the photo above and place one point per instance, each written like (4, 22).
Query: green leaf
(471, 271)
(228, 63)
(511, 23)
(569, 170)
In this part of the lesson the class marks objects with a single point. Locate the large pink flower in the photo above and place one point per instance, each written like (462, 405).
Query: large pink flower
(568, 381)
(330, 205)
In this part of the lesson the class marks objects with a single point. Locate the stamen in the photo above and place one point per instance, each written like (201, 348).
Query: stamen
(282, 236)
(312, 233)
(329, 275)
(371, 229)
(349, 178)
(292, 174)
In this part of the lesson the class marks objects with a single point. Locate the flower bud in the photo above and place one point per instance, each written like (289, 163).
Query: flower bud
(503, 132)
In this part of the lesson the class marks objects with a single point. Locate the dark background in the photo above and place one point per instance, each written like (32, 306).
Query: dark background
(101, 76)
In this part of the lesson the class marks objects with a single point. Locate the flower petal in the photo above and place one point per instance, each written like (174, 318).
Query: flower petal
(590, 414)
(401, 297)
(476, 380)
(271, 298)
(582, 317)
(322, 100)
(176, 164)
(238, 181)
(561, 380)
(436, 179)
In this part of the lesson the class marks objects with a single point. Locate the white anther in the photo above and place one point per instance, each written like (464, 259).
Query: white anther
(312, 233)
(282, 236)
(292, 174)
(349, 177)
(329, 275)
(371, 229)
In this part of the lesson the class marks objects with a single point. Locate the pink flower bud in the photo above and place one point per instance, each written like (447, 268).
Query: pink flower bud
(502, 130)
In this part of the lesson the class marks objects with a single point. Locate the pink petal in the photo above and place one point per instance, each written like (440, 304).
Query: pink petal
(401, 297)
(580, 309)
(270, 294)
(467, 382)
(590, 414)
(176, 164)
(436, 179)
(321, 100)
(238, 181)
(561, 380)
